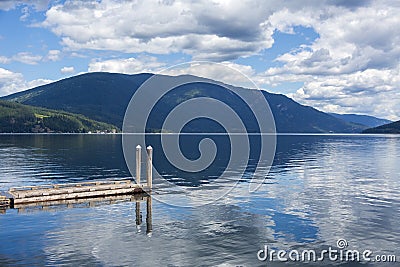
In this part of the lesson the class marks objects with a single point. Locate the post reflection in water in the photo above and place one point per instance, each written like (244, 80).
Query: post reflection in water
(138, 216)
(149, 216)
(149, 224)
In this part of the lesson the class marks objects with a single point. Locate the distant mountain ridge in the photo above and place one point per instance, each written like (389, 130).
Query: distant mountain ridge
(366, 120)
(99, 96)
(390, 128)
(105, 97)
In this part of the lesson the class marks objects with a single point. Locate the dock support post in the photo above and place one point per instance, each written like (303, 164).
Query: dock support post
(149, 167)
(138, 163)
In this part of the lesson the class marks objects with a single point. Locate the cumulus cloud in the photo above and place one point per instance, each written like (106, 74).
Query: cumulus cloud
(373, 92)
(66, 70)
(226, 72)
(53, 55)
(38, 5)
(349, 41)
(35, 83)
(218, 30)
(7, 5)
(12, 82)
(353, 65)
(31, 59)
(27, 58)
(4, 60)
(194, 28)
(126, 65)
(25, 13)
(9, 81)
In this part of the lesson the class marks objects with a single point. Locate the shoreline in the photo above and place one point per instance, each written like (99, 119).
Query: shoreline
(216, 134)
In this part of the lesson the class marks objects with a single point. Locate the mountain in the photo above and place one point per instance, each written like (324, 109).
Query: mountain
(390, 128)
(366, 120)
(19, 118)
(99, 96)
(105, 97)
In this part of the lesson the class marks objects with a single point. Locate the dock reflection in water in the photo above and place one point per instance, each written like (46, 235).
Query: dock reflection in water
(53, 206)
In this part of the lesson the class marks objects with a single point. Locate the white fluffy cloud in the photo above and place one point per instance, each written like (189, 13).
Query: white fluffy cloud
(163, 27)
(218, 30)
(227, 72)
(53, 55)
(12, 82)
(349, 41)
(354, 64)
(126, 65)
(31, 59)
(66, 70)
(9, 81)
(36, 4)
(4, 60)
(371, 91)
(27, 58)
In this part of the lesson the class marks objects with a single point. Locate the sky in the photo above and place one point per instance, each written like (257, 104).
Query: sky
(335, 55)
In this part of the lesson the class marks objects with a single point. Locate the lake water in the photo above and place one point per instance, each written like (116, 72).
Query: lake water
(321, 188)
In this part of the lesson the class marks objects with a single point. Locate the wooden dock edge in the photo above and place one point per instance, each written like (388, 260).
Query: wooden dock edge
(78, 195)
(90, 201)
(60, 192)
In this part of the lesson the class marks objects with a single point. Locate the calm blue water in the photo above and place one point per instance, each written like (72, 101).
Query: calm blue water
(320, 189)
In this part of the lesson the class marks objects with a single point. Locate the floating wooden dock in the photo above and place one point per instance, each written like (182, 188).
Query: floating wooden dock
(41, 193)
(59, 192)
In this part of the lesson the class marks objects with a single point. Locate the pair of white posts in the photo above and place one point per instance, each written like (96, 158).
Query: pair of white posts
(149, 165)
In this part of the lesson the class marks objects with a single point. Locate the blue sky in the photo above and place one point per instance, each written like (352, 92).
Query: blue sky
(338, 56)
